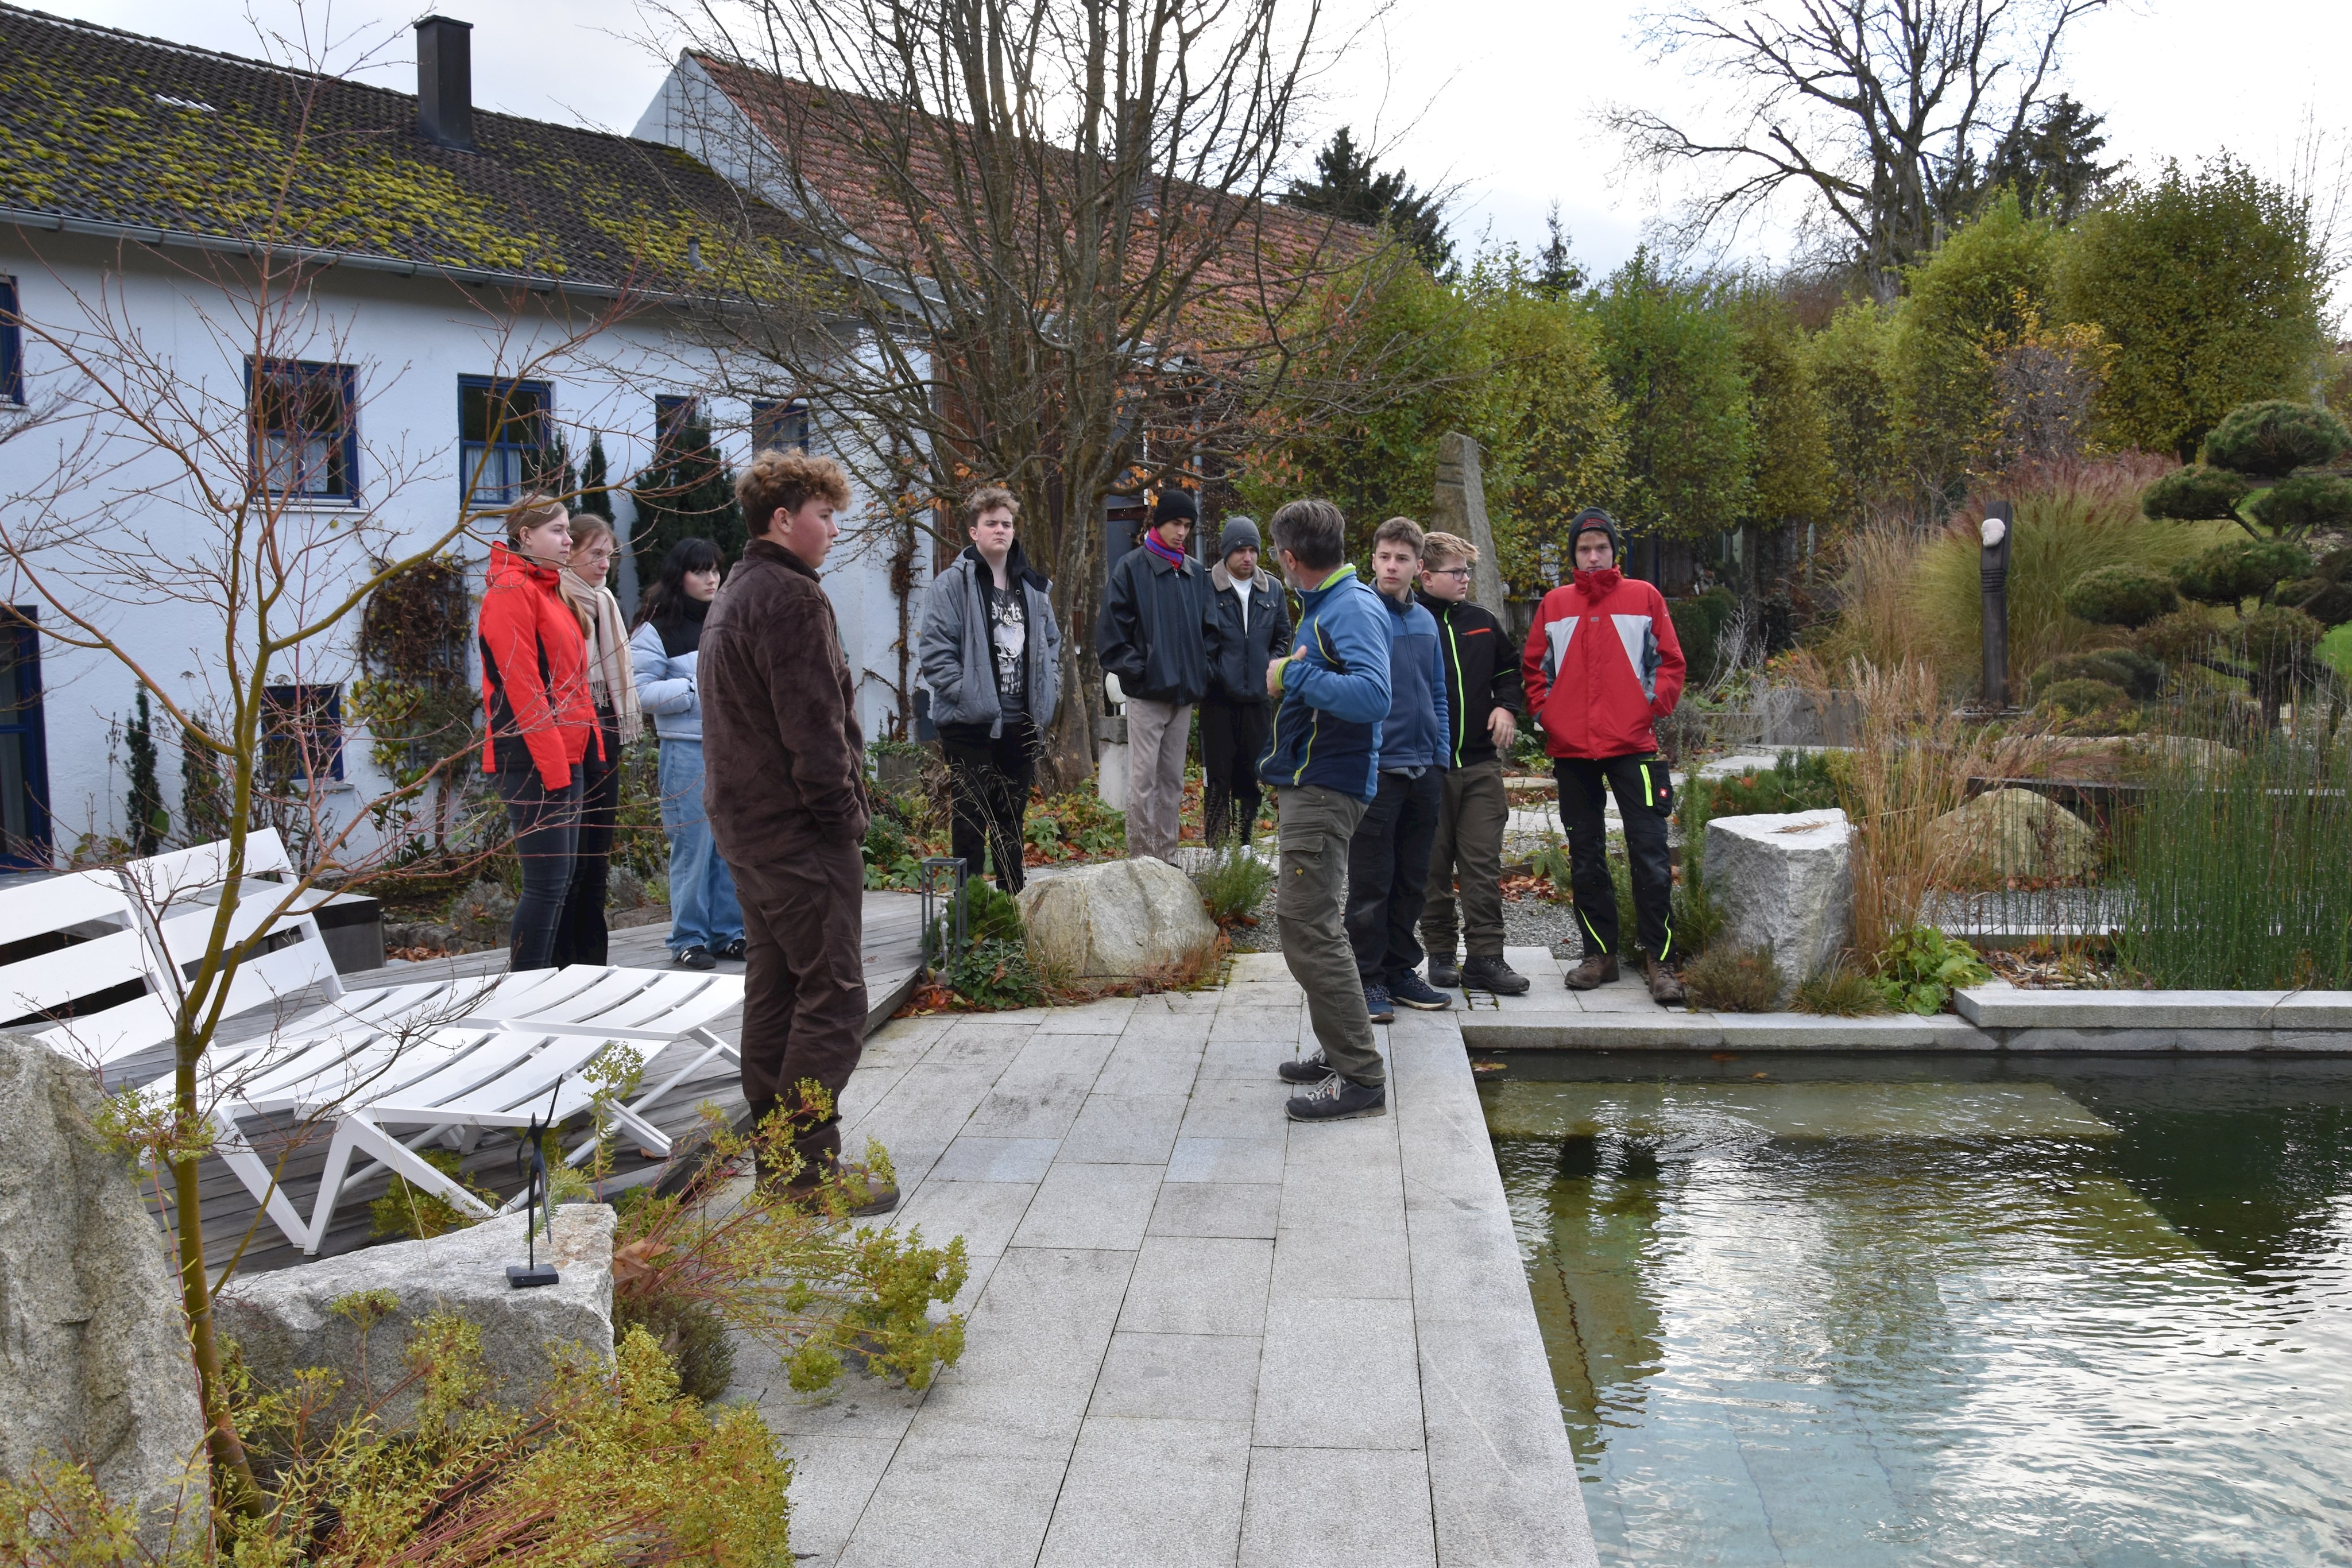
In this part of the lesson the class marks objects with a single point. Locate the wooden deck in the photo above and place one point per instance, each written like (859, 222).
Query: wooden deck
(892, 950)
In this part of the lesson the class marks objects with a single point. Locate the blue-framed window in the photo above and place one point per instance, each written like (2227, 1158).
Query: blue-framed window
(302, 732)
(779, 424)
(305, 428)
(12, 345)
(502, 428)
(674, 414)
(23, 745)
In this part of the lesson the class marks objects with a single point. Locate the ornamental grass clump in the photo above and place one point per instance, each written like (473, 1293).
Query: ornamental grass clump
(1734, 980)
(2240, 866)
(1233, 885)
(1839, 991)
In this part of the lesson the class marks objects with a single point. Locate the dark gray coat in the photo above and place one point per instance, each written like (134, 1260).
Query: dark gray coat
(1158, 631)
(959, 663)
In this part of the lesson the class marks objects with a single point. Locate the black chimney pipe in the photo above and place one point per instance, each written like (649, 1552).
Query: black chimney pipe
(445, 81)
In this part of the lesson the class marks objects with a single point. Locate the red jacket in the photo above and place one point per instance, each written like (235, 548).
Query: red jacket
(535, 699)
(1601, 665)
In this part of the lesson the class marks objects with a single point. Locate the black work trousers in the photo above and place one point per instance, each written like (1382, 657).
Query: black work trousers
(1234, 736)
(1388, 872)
(546, 824)
(580, 936)
(1645, 799)
(990, 779)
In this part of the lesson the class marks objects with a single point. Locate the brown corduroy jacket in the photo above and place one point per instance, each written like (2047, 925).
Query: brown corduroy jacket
(783, 757)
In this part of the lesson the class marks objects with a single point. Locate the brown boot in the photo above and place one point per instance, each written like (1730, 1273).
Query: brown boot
(1597, 970)
(841, 1194)
(1666, 987)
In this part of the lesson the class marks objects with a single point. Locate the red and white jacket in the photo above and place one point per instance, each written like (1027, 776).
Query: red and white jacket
(1602, 664)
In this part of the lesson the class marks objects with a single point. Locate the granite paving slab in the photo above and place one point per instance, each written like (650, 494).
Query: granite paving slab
(1196, 1331)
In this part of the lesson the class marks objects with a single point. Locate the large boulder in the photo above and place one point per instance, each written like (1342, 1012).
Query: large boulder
(286, 1321)
(1119, 920)
(1785, 883)
(2012, 832)
(93, 1349)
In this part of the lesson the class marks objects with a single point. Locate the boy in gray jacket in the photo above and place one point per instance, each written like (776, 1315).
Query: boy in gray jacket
(992, 655)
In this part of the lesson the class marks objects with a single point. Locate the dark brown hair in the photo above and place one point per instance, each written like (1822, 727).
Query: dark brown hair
(786, 480)
(986, 499)
(1398, 531)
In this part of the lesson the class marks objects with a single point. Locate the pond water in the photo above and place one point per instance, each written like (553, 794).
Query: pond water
(1843, 1310)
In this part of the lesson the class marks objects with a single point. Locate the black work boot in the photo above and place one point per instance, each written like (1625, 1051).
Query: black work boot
(1493, 975)
(1598, 969)
(1313, 1070)
(1336, 1099)
(1666, 987)
(1443, 974)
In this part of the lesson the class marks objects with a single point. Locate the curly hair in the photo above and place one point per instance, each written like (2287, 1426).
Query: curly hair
(984, 500)
(786, 480)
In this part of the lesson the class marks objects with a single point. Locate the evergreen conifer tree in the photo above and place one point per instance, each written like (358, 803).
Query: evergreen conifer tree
(149, 818)
(1346, 185)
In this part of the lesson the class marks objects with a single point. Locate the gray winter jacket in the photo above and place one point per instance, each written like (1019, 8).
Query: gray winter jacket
(960, 664)
(666, 687)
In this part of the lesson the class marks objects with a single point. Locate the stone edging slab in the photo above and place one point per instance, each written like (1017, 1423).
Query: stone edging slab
(2216, 1021)
(1666, 1030)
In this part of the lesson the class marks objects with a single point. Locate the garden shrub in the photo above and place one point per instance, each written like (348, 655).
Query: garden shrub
(1796, 782)
(2304, 503)
(2085, 706)
(1840, 992)
(2272, 439)
(692, 1334)
(1920, 967)
(2124, 594)
(2195, 495)
(2137, 675)
(1734, 980)
(411, 1212)
(2229, 574)
(1233, 885)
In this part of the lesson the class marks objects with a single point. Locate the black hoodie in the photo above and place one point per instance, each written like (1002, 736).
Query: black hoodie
(1482, 673)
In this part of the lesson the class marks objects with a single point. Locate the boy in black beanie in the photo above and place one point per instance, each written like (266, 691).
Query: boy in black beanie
(1157, 637)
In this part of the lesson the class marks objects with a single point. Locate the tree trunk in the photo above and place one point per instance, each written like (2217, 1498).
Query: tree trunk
(232, 1483)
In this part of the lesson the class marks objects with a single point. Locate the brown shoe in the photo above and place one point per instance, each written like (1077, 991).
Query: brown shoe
(1598, 970)
(1666, 988)
(815, 1194)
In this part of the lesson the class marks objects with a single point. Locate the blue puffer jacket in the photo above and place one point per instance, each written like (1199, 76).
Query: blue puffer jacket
(1335, 692)
(1416, 731)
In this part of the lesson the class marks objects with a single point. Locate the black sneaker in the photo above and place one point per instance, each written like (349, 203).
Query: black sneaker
(696, 957)
(1493, 974)
(1377, 1003)
(733, 947)
(1443, 974)
(1409, 987)
(1336, 1099)
(1313, 1070)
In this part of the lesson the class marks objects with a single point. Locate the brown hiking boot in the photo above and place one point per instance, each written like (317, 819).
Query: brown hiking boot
(1666, 988)
(814, 1193)
(1597, 970)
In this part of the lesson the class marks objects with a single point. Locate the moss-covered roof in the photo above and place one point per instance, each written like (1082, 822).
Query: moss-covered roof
(110, 127)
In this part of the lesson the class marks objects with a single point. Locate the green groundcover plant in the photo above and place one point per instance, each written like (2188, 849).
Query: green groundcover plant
(1920, 967)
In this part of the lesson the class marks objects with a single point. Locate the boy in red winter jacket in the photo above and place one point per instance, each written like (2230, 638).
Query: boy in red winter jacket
(1601, 665)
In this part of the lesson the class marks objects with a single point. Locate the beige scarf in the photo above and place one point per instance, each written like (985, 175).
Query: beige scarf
(609, 679)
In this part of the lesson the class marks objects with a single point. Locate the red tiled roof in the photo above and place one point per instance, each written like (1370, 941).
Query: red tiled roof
(847, 151)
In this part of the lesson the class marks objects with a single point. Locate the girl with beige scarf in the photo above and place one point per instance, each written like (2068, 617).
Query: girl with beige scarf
(581, 936)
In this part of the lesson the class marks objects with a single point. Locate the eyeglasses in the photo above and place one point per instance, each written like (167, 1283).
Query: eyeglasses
(1461, 572)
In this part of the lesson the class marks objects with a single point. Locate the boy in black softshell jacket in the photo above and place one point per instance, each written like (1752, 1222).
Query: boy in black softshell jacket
(1484, 700)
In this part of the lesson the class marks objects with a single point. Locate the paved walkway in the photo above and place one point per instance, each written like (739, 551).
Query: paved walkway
(1197, 1333)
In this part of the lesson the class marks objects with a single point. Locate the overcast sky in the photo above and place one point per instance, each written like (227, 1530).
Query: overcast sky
(1494, 99)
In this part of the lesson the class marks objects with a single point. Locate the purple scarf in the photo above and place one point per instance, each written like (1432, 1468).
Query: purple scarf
(1151, 542)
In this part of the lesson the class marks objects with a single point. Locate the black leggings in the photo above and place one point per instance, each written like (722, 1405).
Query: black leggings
(546, 825)
(992, 779)
(1232, 740)
(579, 935)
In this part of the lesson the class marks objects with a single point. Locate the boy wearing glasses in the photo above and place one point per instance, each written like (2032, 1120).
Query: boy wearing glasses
(1482, 702)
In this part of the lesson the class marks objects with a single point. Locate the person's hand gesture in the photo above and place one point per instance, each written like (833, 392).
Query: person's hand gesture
(1504, 727)
(1273, 675)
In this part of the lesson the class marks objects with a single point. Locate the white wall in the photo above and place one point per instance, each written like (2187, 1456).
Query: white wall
(411, 339)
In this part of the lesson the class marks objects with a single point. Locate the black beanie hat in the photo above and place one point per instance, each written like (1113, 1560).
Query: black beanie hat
(1174, 504)
(1593, 520)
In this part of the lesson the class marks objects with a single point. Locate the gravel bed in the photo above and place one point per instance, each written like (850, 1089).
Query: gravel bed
(1527, 923)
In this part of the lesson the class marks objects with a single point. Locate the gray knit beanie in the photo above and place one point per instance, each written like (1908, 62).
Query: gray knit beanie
(1240, 532)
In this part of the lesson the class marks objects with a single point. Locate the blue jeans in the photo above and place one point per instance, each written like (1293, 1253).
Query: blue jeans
(703, 912)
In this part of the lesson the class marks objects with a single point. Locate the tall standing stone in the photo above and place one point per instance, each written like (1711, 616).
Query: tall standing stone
(93, 1349)
(1461, 511)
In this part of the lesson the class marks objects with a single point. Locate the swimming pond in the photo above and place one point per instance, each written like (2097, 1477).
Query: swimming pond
(1849, 1311)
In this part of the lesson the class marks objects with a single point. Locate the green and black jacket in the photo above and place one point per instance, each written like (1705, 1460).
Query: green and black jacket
(1482, 673)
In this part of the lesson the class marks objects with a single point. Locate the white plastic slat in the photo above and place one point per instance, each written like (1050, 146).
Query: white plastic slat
(81, 969)
(37, 909)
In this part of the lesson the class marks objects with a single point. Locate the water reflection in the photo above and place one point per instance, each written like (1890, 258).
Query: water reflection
(1929, 1312)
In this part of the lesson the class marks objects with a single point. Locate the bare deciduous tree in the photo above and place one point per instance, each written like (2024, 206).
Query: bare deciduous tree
(1037, 245)
(1881, 114)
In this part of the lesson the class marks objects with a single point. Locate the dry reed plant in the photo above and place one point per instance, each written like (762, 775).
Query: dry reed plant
(1876, 618)
(1912, 764)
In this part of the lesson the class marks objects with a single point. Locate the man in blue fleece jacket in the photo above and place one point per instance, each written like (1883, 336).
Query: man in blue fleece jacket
(1388, 859)
(1323, 766)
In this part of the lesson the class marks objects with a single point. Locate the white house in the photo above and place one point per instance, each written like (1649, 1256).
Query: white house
(446, 289)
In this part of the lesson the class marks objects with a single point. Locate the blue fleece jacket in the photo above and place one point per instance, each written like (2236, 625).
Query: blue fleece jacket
(1416, 731)
(1335, 692)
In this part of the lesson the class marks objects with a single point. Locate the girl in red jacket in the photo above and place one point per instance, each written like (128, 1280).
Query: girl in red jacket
(540, 722)
(1602, 666)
